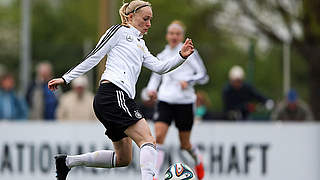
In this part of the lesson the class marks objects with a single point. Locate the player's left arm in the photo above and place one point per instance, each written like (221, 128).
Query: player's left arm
(161, 67)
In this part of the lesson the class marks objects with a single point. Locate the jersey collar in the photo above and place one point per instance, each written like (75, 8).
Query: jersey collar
(136, 31)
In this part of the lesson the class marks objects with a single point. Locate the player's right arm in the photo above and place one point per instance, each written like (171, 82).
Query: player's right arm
(105, 44)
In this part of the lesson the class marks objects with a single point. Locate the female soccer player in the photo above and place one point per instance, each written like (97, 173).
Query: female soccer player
(113, 104)
(176, 96)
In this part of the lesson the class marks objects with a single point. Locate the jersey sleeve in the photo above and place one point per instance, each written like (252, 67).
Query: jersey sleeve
(105, 44)
(200, 76)
(161, 67)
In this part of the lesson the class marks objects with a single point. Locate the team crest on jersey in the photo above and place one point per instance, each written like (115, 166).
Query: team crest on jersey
(137, 114)
(129, 38)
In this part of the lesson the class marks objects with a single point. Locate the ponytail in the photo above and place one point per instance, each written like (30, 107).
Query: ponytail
(131, 7)
(123, 16)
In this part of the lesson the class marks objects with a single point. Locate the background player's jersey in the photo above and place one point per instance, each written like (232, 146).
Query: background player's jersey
(193, 71)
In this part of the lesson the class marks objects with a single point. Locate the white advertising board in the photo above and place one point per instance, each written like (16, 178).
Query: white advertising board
(231, 151)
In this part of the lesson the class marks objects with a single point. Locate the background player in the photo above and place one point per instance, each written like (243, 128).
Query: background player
(176, 96)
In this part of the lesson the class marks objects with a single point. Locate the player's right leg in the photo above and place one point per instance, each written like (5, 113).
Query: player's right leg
(141, 135)
(99, 159)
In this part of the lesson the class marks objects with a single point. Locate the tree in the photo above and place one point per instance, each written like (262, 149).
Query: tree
(283, 21)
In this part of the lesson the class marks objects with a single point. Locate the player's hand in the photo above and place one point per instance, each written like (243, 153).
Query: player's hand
(153, 95)
(184, 84)
(187, 48)
(53, 84)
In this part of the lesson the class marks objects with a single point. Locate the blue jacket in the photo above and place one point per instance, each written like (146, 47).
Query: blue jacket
(11, 107)
(50, 101)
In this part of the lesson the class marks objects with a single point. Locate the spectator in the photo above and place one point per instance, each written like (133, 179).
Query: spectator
(11, 107)
(41, 100)
(292, 108)
(76, 104)
(202, 104)
(237, 96)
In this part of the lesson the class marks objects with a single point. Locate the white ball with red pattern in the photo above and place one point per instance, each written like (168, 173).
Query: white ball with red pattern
(179, 171)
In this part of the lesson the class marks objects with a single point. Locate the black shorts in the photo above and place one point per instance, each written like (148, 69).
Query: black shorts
(115, 110)
(182, 114)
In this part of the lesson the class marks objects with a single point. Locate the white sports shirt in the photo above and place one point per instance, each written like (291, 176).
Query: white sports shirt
(126, 52)
(193, 71)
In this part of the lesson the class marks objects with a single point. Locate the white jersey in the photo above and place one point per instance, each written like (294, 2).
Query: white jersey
(127, 53)
(192, 71)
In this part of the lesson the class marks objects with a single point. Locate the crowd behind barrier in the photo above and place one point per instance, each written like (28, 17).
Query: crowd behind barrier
(240, 100)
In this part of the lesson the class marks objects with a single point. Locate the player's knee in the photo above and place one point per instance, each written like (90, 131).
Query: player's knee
(153, 140)
(149, 139)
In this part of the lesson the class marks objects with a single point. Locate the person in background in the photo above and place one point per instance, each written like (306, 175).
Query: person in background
(292, 109)
(41, 100)
(176, 97)
(202, 104)
(238, 95)
(11, 107)
(76, 104)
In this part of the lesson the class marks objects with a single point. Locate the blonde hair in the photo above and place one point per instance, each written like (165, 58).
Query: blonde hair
(131, 7)
(177, 23)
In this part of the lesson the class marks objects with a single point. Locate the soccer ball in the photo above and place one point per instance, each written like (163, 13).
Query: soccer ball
(179, 171)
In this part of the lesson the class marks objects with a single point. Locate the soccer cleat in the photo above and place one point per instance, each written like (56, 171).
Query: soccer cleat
(200, 170)
(61, 168)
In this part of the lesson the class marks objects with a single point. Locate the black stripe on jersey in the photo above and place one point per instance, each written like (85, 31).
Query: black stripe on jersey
(103, 40)
(109, 37)
(111, 32)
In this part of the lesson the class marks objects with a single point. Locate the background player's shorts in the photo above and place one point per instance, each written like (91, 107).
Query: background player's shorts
(115, 110)
(182, 114)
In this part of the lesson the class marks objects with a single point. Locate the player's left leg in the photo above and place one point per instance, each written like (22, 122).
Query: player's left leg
(99, 159)
(104, 158)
